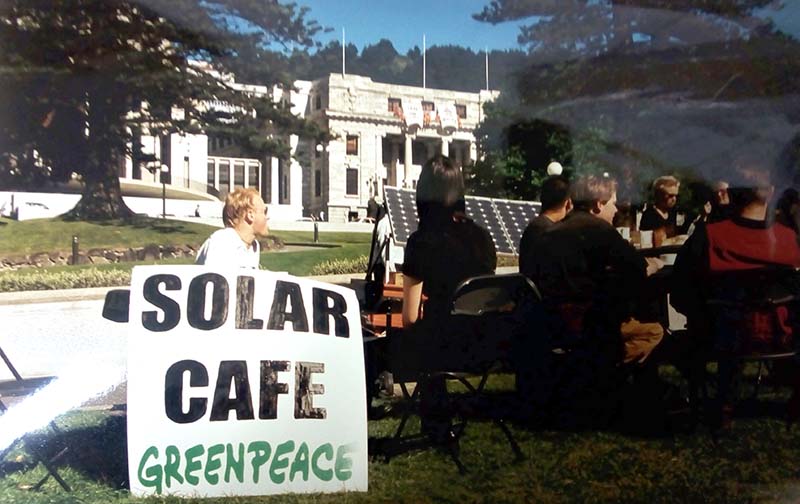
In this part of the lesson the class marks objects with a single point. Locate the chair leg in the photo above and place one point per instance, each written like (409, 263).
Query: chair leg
(51, 470)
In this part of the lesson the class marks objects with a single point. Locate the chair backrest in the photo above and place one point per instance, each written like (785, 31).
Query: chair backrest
(117, 305)
(754, 311)
(481, 295)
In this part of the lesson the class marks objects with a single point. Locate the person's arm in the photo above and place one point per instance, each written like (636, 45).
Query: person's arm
(412, 297)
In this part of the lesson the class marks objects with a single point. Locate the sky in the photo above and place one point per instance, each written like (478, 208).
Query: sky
(404, 22)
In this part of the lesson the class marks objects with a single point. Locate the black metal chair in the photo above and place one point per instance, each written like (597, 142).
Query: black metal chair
(21, 387)
(487, 303)
(752, 317)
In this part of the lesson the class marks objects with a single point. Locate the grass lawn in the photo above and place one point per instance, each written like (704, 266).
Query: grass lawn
(758, 464)
(17, 238)
(51, 235)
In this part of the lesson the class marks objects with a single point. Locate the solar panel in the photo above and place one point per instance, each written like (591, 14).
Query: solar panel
(505, 220)
(515, 216)
(402, 209)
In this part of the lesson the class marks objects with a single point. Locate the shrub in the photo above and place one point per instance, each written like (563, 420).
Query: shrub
(341, 266)
(43, 280)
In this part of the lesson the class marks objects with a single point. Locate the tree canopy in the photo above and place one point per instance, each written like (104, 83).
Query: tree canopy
(658, 86)
(79, 79)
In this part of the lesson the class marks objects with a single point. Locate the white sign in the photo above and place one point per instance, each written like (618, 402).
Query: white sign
(448, 116)
(413, 114)
(243, 383)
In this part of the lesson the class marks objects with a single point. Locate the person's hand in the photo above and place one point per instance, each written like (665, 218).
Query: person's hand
(653, 264)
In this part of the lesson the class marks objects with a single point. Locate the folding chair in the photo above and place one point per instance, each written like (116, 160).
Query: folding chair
(482, 300)
(752, 316)
(21, 387)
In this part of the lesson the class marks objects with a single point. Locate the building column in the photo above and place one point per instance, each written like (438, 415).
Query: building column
(216, 174)
(273, 182)
(445, 147)
(392, 175)
(473, 152)
(407, 168)
(295, 176)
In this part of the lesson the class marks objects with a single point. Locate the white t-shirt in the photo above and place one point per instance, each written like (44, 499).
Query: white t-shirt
(224, 248)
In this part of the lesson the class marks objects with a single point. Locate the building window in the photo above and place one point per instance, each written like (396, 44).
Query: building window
(352, 145)
(427, 106)
(317, 102)
(238, 173)
(395, 104)
(461, 111)
(414, 184)
(352, 182)
(283, 183)
(419, 152)
(252, 174)
(186, 176)
(210, 173)
(224, 176)
(318, 183)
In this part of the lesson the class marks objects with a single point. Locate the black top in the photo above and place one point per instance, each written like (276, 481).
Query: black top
(583, 258)
(535, 227)
(651, 219)
(445, 255)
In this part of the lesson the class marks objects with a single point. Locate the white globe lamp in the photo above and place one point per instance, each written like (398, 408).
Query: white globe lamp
(555, 168)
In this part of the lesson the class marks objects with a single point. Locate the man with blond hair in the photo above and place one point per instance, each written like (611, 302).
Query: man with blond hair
(662, 216)
(245, 218)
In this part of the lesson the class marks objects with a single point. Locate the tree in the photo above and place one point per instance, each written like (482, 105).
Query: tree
(80, 79)
(673, 86)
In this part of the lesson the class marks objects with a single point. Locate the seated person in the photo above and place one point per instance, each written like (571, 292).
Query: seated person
(582, 262)
(661, 217)
(556, 204)
(245, 218)
(446, 249)
(746, 243)
(590, 278)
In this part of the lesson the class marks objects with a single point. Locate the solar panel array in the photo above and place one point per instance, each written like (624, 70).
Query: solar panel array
(505, 220)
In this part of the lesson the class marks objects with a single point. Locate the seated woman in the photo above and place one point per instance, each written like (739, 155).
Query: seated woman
(446, 249)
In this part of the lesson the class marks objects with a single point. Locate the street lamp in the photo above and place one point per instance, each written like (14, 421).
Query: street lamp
(164, 173)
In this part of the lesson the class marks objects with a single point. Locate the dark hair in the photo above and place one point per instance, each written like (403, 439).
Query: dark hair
(554, 193)
(440, 191)
(749, 180)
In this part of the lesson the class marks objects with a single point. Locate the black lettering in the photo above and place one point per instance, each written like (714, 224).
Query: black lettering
(171, 309)
(278, 316)
(196, 304)
(245, 292)
(242, 402)
(304, 390)
(173, 391)
(323, 310)
(270, 388)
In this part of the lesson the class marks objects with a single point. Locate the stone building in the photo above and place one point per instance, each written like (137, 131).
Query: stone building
(383, 133)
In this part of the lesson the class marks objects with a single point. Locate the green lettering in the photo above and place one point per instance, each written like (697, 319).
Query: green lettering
(153, 473)
(343, 466)
(262, 451)
(280, 461)
(172, 465)
(212, 464)
(236, 465)
(322, 474)
(300, 463)
(192, 464)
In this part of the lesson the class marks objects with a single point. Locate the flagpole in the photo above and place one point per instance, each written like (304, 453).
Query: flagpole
(343, 53)
(486, 50)
(424, 50)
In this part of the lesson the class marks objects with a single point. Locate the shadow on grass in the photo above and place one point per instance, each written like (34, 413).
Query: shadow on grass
(99, 452)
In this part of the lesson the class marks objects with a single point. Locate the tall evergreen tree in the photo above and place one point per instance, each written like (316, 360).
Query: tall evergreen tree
(79, 79)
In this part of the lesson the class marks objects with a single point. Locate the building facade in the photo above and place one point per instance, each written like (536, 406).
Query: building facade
(382, 135)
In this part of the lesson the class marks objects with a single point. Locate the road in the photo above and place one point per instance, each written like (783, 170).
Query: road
(70, 340)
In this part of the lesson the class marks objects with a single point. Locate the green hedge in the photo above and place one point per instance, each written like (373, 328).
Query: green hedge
(341, 266)
(89, 277)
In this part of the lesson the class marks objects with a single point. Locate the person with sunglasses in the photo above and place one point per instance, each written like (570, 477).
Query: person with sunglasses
(662, 216)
